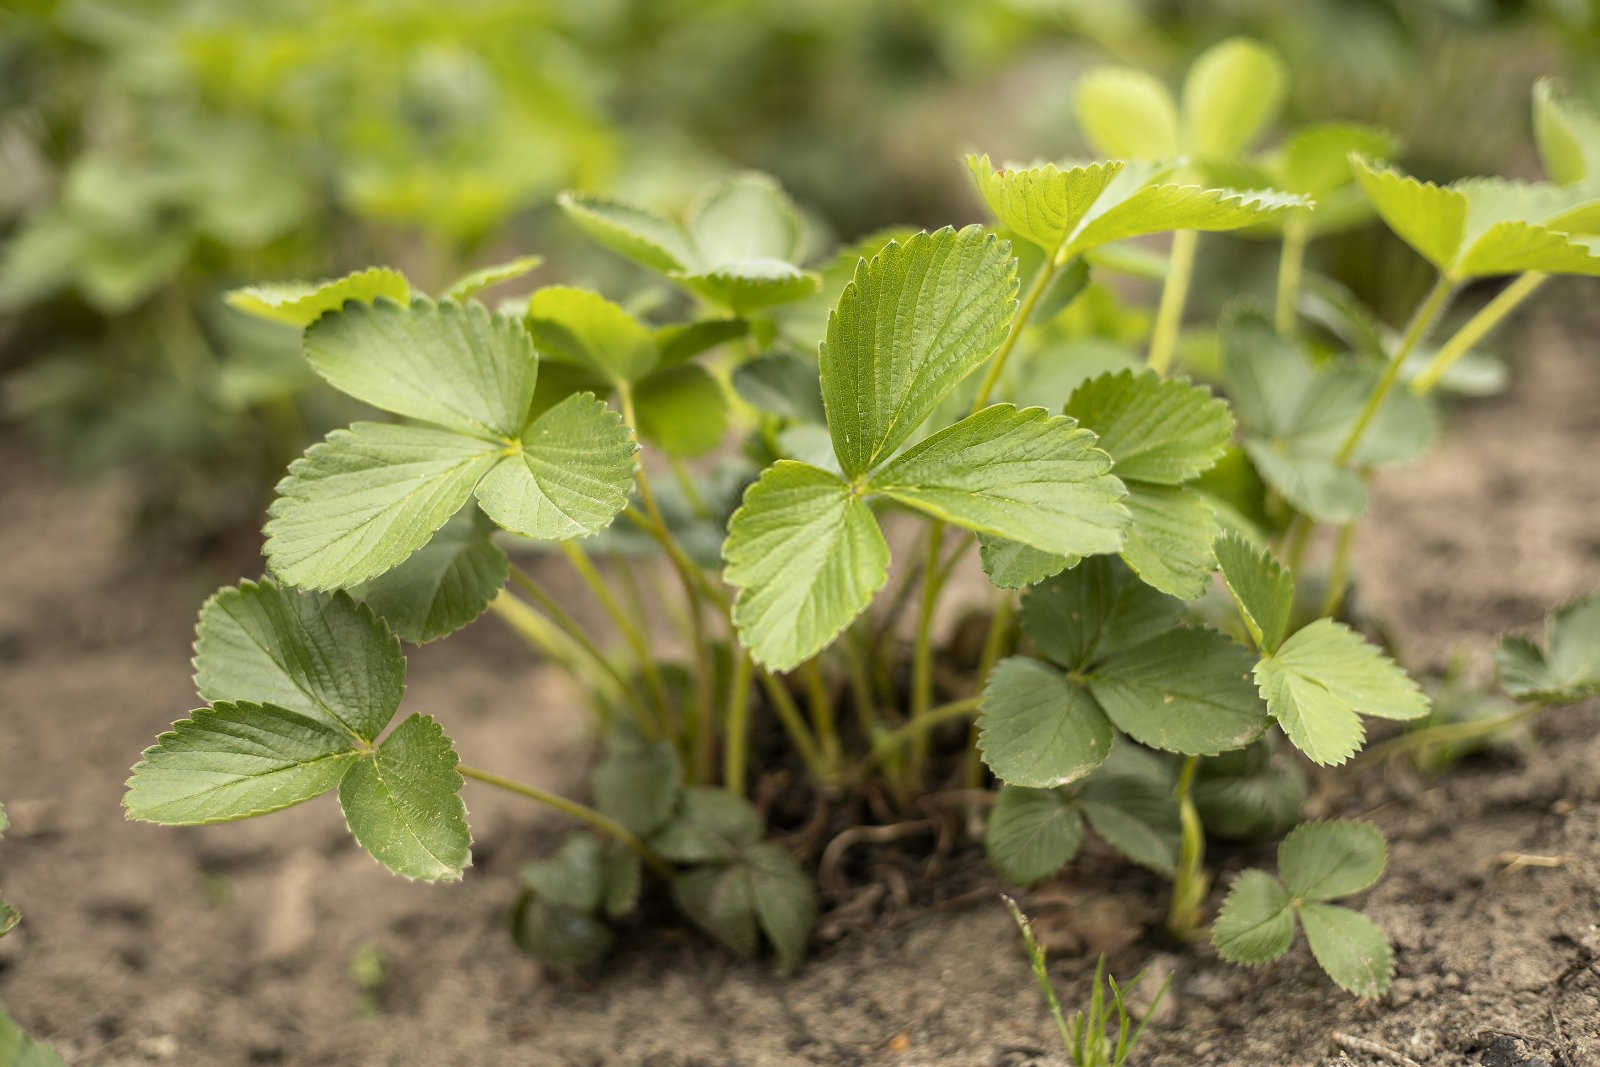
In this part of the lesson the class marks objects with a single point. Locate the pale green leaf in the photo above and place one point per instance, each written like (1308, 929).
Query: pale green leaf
(17, 1049)
(1267, 374)
(1013, 565)
(1186, 691)
(639, 781)
(1349, 947)
(1327, 860)
(1135, 814)
(1023, 475)
(1125, 113)
(1170, 542)
(746, 218)
(322, 656)
(570, 476)
(750, 286)
(630, 232)
(235, 760)
(1514, 247)
(1032, 833)
(364, 499)
(1233, 92)
(1256, 923)
(1094, 610)
(1037, 729)
(1042, 204)
(403, 804)
(1315, 159)
(710, 824)
(579, 326)
(1159, 207)
(720, 899)
(445, 584)
(914, 321)
(681, 410)
(475, 282)
(806, 555)
(1315, 485)
(1319, 724)
(1568, 134)
(785, 899)
(1157, 430)
(781, 384)
(454, 365)
(1429, 218)
(1568, 669)
(1261, 586)
(302, 303)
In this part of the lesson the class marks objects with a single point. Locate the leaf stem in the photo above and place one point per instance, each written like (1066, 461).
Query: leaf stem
(922, 655)
(1475, 328)
(887, 742)
(594, 819)
(1174, 294)
(1339, 572)
(821, 701)
(567, 625)
(736, 737)
(997, 362)
(1421, 319)
(1291, 268)
(549, 640)
(1444, 733)
(631, 633)
(1190, 882)
(1295, 539)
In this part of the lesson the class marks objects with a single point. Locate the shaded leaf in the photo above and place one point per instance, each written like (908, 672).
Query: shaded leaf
(1568, 134)
(1094, 610)
(721, 901)
(1261, 586)
(582, 327)
(403, 804)
(1323, 490)
(1038, 729)
(639, 781)
(444, 585)
(574, 877)
(1249, 799)
(1135, 814)
(1032, 833)
(785, 901)
(1013, 565)
(681, 410)
(710, 824)
(781, 384)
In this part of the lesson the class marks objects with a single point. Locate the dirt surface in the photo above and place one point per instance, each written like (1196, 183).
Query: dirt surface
(233, 945)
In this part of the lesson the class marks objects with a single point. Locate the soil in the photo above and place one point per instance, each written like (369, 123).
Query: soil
(234, 945)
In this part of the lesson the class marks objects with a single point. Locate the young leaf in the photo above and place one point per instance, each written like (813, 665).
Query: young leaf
(1261, 586)
(785, 901)
(746, 218)
(781, 384)
(639, 781)
(1315, 159)
(710, 824)
(444, 585)
(1256, 923)
(475, 282)
(1032, 833)
(1568, 134)
(1327, 860)
(1094, 610)
(1430, 218)
(1022, 475)
(1170, 541)
(1013, 565)
(235, 760)
(681, 410)
(1041, 204)
(301, 303)
(1164, 431)
(1349, 947)
(1038, 729)
(806, 555)
(582, 327)
(403, 803)
(913, 322)
(320, 656)
(631, 233)
(1126, 114)
(1186, 691)
(1569, 671)
(1233, 91)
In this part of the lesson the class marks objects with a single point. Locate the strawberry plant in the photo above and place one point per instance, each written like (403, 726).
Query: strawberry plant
(1153, 666)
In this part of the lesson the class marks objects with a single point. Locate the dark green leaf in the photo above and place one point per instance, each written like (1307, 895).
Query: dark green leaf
(1157, 430)
(1032, 833)
(444, 585)
(404, 806)
(709, 825)
(681, 410)
(1094, 610)
(781, 384)
(639, 781)
(1037, 729)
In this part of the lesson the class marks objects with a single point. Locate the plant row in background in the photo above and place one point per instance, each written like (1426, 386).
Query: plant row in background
(1157, 665)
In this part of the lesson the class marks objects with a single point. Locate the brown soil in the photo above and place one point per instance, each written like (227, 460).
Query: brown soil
(232, 945)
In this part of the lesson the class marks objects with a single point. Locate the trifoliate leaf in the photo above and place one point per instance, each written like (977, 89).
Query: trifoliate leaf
(639, 781)
(302, 303)
(1321, 677)
(1317, 486)
(1094, 610)
(721, 901)
(1568, 134)
(1234, 91)
(1013, 565)
(1568, 670)
(1126, 114)
(709, 825)
(364, 499)
(1349, 947)
(1256, 923)
(1169, 543)
(680, 342)
(321, 656)
(1032, 833)
(1186, 691)
(454, 365)
(781, 384)
(569, 477)
(806, 555)
(445, 584)
(475, 282)
(1135, 814)
(1023, 475)
(235, 760)
(681, 410)
(403, 804)
(582, 327)
(1157, 430)
(785, 901)
(914, 321)
(1249, 796)
(1328, 860)
(1041, 204)
(1037, 729)
(630, 232)
(19, 1050)
(574, 877)
(1261, 586)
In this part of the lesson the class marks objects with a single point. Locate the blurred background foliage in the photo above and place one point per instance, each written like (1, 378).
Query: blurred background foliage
(154, 153)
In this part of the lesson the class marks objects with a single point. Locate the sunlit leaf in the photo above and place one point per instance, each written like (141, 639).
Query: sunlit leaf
(403, 803)
(302, 303)
(1233, 91)
(1126, 114)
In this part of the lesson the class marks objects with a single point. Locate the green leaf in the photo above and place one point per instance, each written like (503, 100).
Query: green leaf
(680, 342)
(1317, 486)
(1159, 207)
(1248, 795)
(1032, 833)
(1320, 678)
(746, 218)
(1157, 430)
(321, 656)
(781, 384)
(1569, 671)
(559, 936)
(785, 901)
(914, 321)
(1013, 565)
(9, 918)
(235, 760)
(681, 410)
(1094, 610)
(1186, 691)
(1261, 586)
(639, 781)
(710, 824)
(302, 303)
(582, 327)
(630, 232)
(1430, 218)
(1256, 923)
(1267, 374)
(721, 901)
(806, 555)
(403, 804)
(444, 585)
(1038, 729)
(1315, 159)
(1125, 113)
(475, 282)
(1327, 860)
(751, 286)
(454, 365)
(364, 499)
(1233, 92)
(1170, 543)
(1041, 204)
(18, 1050)
(573, 878)
(1135, 814)
(624, 878)
(1023, 475)
(1568, 134)
(570, 476)
(1349, 947)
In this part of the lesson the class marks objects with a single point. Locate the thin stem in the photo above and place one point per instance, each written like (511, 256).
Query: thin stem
(821, 701)
(1174, 294)
(997, 362)
(1190, 884)
(697, 502)
(1295, 539)
(545, 638)
(568, 625)
(789, 715)
(1339, 573)
(1475, 328)
(922, 656)
(860, 683)
(1291, 267)
(736, 737)
(917, 729)
(1426, 312)
(1445, 733)
(631, 633)
(594, 819)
